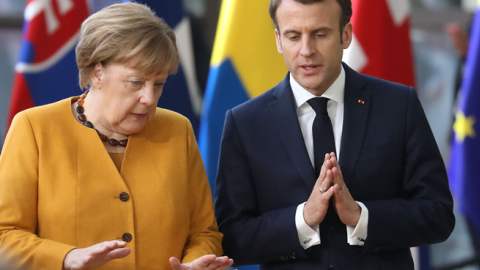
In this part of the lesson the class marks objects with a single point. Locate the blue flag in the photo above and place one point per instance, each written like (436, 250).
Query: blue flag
(181, 92)
(464, 171)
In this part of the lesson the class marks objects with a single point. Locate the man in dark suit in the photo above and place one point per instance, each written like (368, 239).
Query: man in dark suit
(283, 200)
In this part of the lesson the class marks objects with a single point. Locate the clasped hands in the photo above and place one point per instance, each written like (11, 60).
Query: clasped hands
(99, 254)
(330, 188)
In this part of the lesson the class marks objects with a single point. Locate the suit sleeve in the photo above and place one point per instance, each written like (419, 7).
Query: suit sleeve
(19, 243)
(203, 237)
(250, 236)
(424, 213)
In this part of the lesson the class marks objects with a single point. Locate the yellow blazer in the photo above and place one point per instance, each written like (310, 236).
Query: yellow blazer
(59, 190)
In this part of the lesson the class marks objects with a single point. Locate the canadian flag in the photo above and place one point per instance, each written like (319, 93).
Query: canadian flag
(381, 44)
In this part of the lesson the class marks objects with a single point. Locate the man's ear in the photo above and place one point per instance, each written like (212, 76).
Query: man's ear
(97, 76)
(278, 41)
(347, 35)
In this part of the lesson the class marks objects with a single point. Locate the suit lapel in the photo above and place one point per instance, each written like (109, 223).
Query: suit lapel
(356, 112)
(285, 117)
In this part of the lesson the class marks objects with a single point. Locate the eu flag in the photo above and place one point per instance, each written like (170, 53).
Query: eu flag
(464, 170)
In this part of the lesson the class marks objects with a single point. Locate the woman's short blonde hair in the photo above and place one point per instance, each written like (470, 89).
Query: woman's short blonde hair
(127, 33)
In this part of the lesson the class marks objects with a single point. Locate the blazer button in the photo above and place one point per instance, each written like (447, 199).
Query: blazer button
(127, 237)
(331, 267)
(124, 196)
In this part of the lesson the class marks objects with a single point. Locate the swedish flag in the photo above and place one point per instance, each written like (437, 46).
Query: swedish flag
(245, 63)
(464, 173)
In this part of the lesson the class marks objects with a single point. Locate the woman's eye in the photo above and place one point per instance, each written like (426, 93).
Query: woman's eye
(159, 84)
(136, 83)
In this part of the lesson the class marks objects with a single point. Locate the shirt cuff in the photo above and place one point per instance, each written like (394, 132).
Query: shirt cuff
(357, 235)
(308, 236)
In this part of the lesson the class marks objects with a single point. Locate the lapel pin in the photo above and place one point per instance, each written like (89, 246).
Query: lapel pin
(361, 101)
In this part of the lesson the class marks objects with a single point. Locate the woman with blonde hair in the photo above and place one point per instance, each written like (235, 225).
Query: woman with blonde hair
(107, 179)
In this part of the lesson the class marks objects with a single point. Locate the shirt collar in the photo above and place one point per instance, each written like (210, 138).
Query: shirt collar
(335, 92)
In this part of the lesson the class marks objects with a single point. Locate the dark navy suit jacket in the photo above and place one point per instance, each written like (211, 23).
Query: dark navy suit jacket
(389, 160)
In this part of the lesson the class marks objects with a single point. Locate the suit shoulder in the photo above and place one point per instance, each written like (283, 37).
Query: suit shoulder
(253, 105)
(388, 96)
(377, 84)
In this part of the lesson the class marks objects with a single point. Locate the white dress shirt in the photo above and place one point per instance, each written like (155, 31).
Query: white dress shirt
(310, 236)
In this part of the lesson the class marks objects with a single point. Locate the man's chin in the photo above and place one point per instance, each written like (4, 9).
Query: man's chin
(313, 86)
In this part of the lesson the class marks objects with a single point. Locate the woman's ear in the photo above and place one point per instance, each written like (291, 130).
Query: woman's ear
(97, 76)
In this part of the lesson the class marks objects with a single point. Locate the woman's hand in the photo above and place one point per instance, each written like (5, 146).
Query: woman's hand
(207, 262)
(96, 255)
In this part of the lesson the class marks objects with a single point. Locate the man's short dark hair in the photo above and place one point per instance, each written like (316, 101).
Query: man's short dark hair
(346, 6)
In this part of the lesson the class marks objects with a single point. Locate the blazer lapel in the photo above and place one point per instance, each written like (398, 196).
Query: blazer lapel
(98, 188)
(285, 117)
(356, 112)
(94, 162)
(141, 157)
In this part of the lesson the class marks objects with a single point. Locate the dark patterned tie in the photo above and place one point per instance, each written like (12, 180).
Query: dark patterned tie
(323, 140)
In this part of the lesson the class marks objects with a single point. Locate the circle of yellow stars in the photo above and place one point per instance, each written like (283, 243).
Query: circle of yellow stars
(463, 126)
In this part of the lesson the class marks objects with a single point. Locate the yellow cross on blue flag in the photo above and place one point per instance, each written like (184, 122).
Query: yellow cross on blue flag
(464, 172)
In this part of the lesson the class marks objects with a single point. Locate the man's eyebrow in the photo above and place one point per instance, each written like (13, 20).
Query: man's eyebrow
(321, 28)
(288, 31)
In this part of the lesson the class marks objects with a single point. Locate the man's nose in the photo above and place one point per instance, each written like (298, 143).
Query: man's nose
(308, 47)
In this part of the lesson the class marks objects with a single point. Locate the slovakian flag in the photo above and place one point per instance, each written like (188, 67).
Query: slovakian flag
(181, 93)
(464, 171)
(46, 70)
(245, 63)
(381, 45)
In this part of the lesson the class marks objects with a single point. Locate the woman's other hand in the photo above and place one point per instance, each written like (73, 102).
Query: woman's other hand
(207, 262)
(96, 255)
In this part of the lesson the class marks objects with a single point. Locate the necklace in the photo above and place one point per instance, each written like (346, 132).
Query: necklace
(83, 118)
